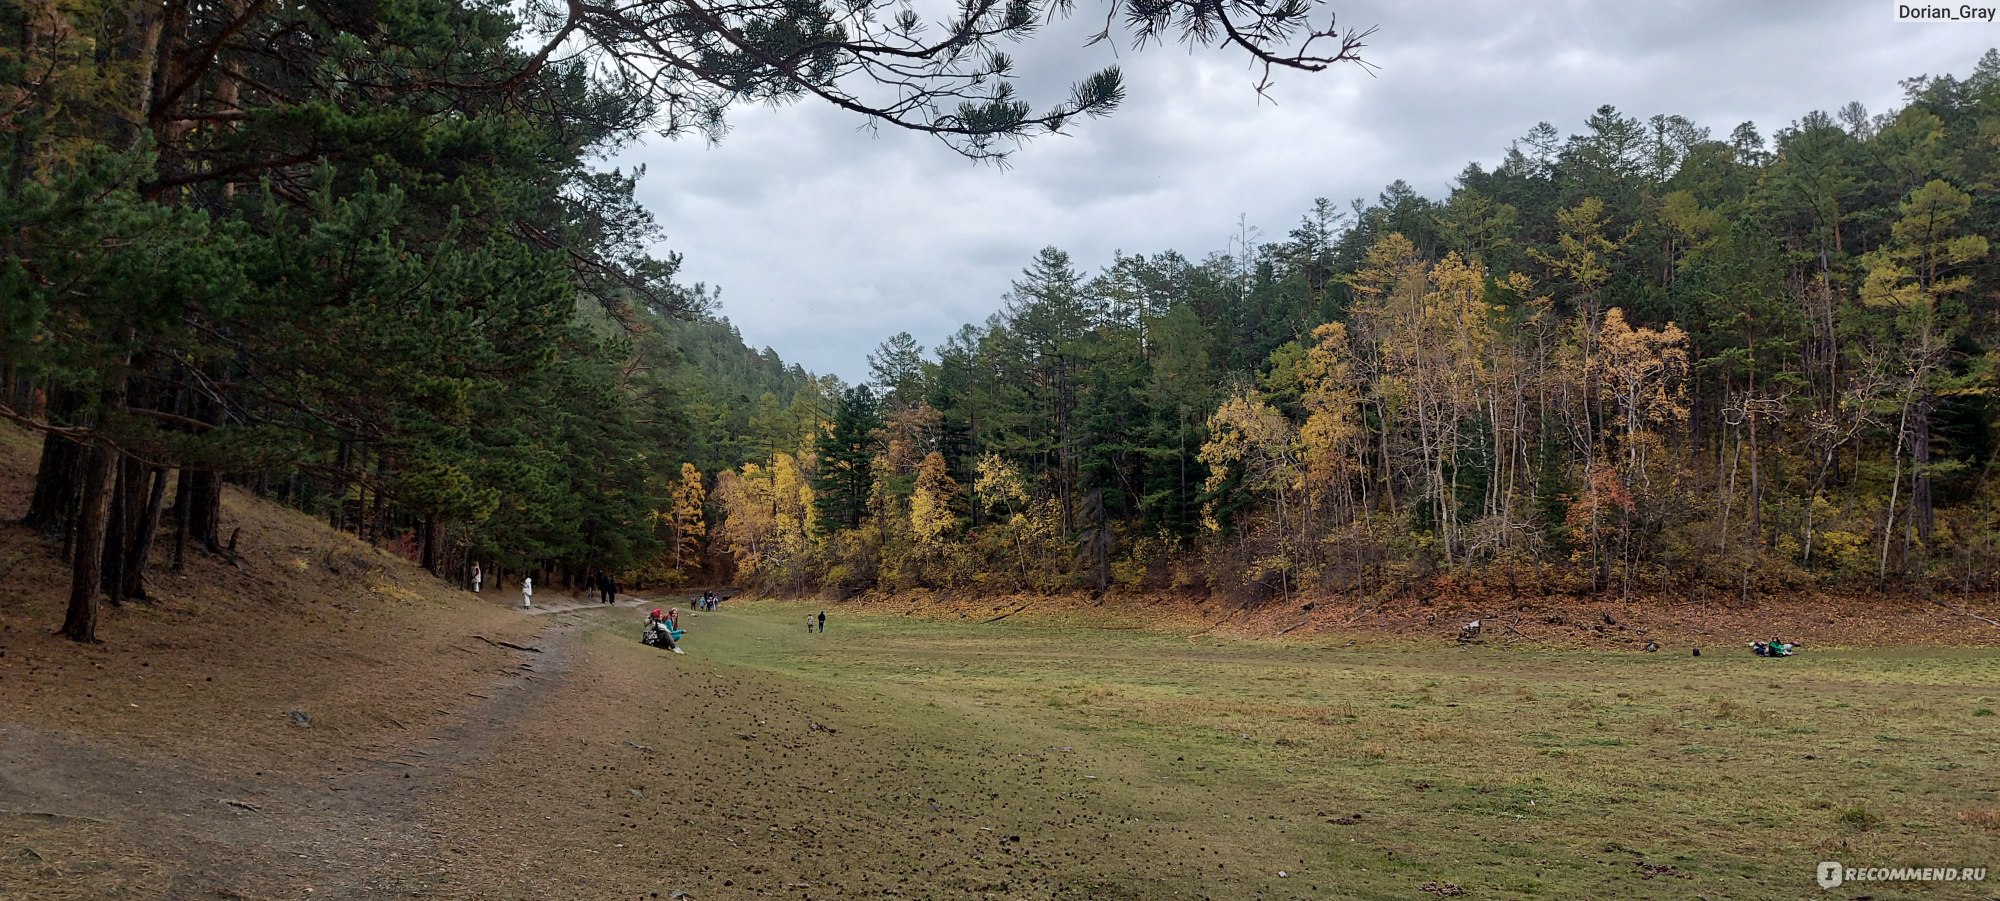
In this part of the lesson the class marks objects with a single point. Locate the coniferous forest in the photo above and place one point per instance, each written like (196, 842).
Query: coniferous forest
(365, 259)
(1652, 355)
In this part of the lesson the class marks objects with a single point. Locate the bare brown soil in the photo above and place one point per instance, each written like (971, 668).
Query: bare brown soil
(260, 729)
(323, 720)
(1436, 612)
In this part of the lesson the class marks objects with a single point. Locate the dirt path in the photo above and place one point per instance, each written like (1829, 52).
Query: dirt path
(555, 605)
(83, 820)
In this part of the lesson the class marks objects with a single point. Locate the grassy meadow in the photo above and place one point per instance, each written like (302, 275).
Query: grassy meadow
(1132, 763)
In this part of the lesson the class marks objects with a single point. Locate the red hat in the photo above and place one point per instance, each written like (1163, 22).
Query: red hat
(656, 612)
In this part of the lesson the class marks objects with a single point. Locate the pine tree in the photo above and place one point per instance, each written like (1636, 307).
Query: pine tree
(846, 458)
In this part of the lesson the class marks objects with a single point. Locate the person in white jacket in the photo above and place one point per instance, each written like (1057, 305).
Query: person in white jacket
(527, 591)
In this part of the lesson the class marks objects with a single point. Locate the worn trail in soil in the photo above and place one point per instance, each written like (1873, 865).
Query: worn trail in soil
(180, 828)
(599, 768)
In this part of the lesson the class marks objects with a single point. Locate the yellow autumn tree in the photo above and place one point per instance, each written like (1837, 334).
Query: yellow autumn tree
(1583, 255)
(689, 521)
(1640, 375)
(1428, 355)
(1248, 439)
(748, 524)
(908, 434)
(682, 528)
(1253, 445)
(931, 519)
(999, 485)
(1392, 276)
(1330, 439)
(1643, 372)
(936, 555)
(1023, 543)
(796, 519)
(768, 531)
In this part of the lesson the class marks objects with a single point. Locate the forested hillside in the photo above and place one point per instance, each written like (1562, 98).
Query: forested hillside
(327, 253)
(364, 256)
(1648, 356)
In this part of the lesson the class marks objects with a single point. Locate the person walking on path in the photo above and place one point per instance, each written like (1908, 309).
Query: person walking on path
(476, 574)
(809, 624)
(527, 591)
(610, 589)
(822, 622)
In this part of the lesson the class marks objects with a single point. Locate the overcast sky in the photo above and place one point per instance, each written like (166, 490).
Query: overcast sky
(826, 238)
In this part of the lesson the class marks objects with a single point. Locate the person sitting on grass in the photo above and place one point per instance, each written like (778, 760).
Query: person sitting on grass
(656, 624)
(663, 630)
(1776, 647)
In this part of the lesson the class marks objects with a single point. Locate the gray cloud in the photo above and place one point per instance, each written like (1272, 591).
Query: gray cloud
(826, 238)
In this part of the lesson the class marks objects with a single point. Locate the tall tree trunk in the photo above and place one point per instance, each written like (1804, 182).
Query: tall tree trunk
(80, 622)
(52, 506)
(126, 504)
(94, 500)
(198, 497)
(433, 539)
(1728, 498)
(183, 487)
(203, 509)
(1756, 488)
(139, 47)
(140, 544)
(1895, 487)
(129, 499)
(1921, 512)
